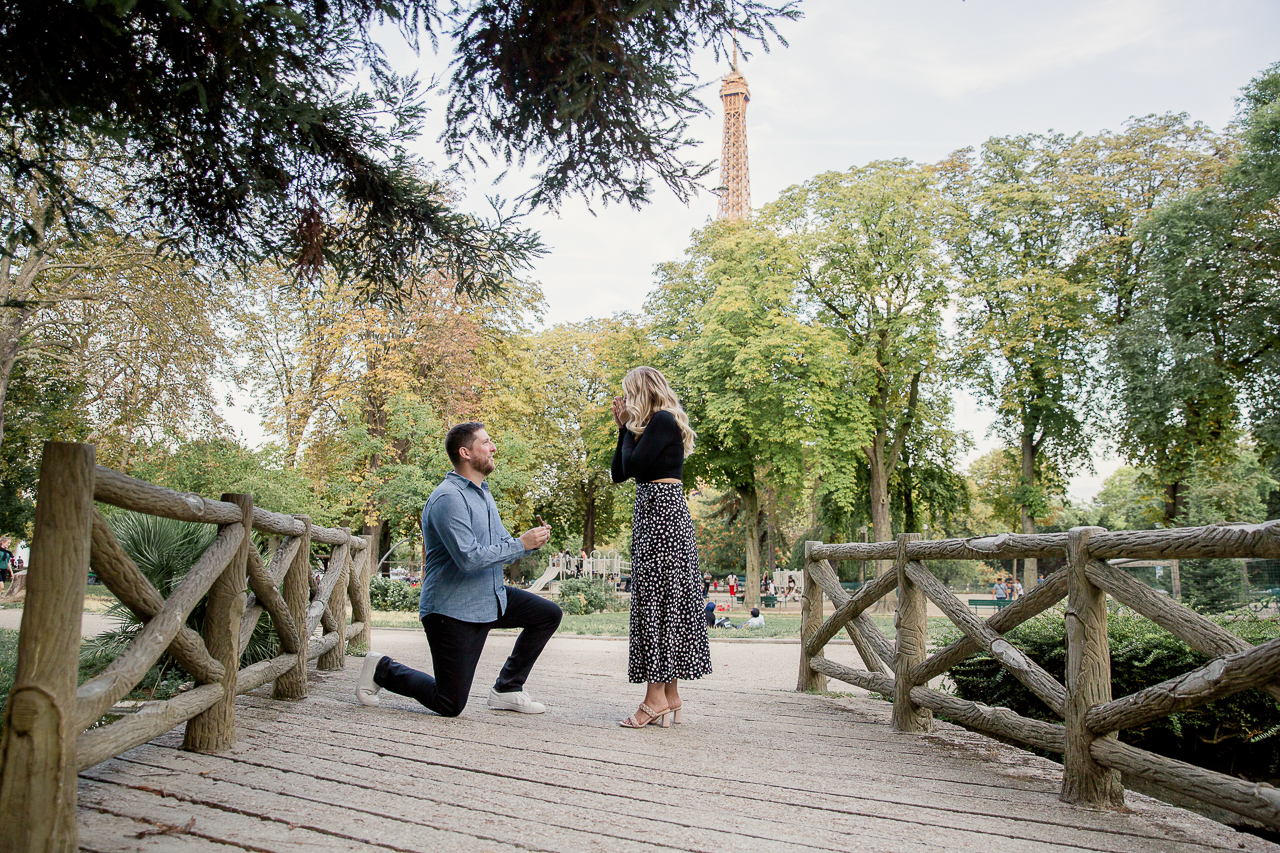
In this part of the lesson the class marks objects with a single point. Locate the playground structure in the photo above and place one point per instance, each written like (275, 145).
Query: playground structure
(607, 566)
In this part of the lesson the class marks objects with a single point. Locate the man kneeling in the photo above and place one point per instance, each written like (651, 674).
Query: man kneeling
(463, 596)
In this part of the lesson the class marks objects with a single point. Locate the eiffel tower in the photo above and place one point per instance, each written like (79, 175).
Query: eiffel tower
(735, 177)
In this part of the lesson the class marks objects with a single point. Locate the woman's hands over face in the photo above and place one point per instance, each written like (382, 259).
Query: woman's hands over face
(620, 411)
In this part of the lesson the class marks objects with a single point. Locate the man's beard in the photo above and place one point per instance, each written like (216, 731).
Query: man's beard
(487, 467)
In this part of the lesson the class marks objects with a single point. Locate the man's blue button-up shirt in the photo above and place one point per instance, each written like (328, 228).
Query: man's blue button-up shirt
(466, 547)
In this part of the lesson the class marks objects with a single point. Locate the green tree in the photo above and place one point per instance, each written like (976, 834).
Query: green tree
(868, 260)
(1198, 363)
(996, 476)
(44, 406)
(1124, 503)
(1028, 332)
(213, 466)
(757, 381)
(571, 387)
(1212, 586)
(253, 134)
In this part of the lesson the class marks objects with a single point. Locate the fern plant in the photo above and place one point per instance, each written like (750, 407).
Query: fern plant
(164, 551)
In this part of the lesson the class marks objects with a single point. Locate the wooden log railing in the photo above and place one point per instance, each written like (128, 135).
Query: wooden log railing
(1093, 756)
(47, 735)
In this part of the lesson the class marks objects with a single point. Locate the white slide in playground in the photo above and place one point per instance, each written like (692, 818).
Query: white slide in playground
(548, 576)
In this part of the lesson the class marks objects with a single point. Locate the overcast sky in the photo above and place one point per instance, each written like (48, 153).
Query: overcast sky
(862, 81)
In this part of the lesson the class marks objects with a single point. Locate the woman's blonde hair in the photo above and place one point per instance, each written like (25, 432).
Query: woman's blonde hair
(648, 391)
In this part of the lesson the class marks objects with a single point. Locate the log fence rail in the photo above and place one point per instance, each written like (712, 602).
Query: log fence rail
(51, 726)
(1093, 756)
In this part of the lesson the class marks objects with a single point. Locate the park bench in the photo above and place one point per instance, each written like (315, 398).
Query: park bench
(993, 603)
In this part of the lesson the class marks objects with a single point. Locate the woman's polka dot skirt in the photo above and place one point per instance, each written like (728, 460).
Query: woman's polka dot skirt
(668, 628)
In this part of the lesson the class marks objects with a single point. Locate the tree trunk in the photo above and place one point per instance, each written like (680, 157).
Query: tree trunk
(371, 532)
(910, 524)
(6, 370)
(751, 585)
(1030, 566)
(589, 520)
(12, 323)
(881, 523)
(1175, 499)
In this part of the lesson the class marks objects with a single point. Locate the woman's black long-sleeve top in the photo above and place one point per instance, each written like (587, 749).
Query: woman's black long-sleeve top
(656, 454)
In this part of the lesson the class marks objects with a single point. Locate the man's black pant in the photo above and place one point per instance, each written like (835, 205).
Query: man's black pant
(455, 651)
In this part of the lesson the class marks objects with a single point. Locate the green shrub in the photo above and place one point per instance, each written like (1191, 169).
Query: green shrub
(579, 596)
(1234, 735)
(1212, 586)
(388, 594)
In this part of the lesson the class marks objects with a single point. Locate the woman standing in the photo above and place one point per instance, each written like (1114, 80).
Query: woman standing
(668, 631)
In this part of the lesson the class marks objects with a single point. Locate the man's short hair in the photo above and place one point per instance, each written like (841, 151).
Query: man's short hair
(755, 611)
(459, 437)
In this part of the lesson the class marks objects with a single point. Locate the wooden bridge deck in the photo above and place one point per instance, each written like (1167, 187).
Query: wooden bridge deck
(753, 767)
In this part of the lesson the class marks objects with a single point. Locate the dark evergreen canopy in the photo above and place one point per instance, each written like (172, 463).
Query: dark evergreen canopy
(249, 133)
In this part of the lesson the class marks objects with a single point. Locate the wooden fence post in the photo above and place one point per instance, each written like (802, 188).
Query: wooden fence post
(912, 622)
(1088, 680)
(358, 591)
(214, 730)
(336, 657)
(297, 597)
(38, 749)
(810, 622)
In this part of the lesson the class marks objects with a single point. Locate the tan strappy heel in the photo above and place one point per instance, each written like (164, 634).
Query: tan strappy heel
(675, 713)
(662, 718)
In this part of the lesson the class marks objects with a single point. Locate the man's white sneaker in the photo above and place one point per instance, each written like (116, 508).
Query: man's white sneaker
(366, 690)
(517, 701)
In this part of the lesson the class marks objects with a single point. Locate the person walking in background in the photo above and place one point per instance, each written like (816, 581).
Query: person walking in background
(465, 546)
(1000, 591)
(668, 636)
(733, 586)
(6, 562)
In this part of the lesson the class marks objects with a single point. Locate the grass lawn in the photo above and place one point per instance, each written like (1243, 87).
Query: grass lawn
(8, 661)
(97, 597)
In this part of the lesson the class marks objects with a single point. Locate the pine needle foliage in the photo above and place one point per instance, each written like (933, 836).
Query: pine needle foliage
(260, 129)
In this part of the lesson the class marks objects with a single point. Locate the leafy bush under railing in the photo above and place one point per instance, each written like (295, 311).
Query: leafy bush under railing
(584, 595)
(1239, 735)
(391, 594)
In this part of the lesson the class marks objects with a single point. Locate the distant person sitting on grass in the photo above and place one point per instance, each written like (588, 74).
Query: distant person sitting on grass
(710, 611)
(756, 620)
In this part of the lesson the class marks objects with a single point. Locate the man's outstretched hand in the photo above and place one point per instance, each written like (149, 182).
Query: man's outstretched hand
(535, 537)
